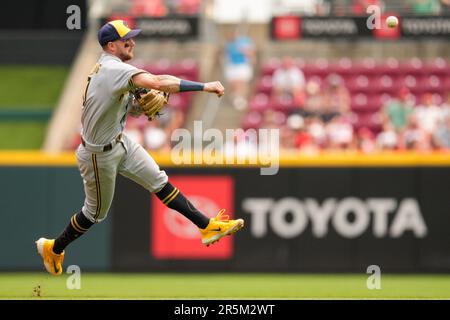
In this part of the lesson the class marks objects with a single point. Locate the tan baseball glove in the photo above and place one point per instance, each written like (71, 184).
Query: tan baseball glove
(151, 101)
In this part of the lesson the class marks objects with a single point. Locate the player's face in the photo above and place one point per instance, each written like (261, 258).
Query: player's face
(125, 49)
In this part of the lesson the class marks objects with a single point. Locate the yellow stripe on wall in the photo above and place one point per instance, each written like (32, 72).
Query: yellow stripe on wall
(326, 159)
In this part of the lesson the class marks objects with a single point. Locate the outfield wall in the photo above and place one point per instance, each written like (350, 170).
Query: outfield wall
(313, 216)
(38, 201)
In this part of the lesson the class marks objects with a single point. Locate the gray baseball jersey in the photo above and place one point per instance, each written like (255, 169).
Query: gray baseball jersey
(106, 100)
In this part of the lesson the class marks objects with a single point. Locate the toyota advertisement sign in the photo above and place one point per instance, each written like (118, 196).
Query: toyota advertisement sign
(296, 221)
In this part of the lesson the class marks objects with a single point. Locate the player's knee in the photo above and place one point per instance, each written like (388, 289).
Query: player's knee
(93, 214)
(159, 182)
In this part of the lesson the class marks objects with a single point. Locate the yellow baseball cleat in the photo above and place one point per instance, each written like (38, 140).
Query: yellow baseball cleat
(219, 227)
(52, 261)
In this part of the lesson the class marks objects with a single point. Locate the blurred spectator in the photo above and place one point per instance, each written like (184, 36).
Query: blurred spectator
(187, 7)
(339, 8)
(359, 7)
(273, 119)
(76, 140)
(304, 7)
(445, 107)
(240, 54)
(365, 140)
(302, 138)
(243, 145)
(387, 139)
(175, 120)
(316, 129)
(314, 100)
(426, 7)
(427, 113)
(287, 137)
(151, 8)
(134, 129)
(340, 133)
(155, 137)
(397, 111)
(414, 137)
(336, 98)
(327, 122)
(441, 136)
(288, 79)
(445, 7)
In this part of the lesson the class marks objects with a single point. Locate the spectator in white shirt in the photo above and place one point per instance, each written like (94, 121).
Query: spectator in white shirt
(288, 79)
(428, 113)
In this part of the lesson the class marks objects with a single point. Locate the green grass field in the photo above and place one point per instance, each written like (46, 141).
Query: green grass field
(223, 286)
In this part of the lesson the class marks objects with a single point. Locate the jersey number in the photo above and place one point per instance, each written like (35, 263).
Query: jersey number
(93, 71)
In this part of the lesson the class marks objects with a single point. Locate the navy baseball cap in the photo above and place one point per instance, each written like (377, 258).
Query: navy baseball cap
(115, 30)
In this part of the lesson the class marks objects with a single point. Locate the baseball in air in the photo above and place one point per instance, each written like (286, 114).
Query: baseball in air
(392, 21)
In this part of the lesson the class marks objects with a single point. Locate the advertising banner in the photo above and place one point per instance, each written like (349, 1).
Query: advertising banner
(170, 27)
(329, 219)
(174, 236)
(296, 27)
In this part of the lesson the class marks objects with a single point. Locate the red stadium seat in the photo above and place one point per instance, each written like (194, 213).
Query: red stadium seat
(414, 66)
(359, 83)
(344, 67)
(278, 118)
(447, 84)
(366, 67)
(317, 68)
(384, 84)
(300, 63)
(187, 67)
(155, 8)
(179, 101)
(438, 98)
(432, 84)
(359, 102)
(270, 66)
(162, 66)
(284, 103)
(381, 99)
(316, 78)
(409, 81)
(437, 66)
(260, 102)
(370, 120)
(391, 67)
(264, 85)
(252, 119)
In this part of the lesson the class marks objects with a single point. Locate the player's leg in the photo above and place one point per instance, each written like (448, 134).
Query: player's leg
(99, 173)
(140, 167)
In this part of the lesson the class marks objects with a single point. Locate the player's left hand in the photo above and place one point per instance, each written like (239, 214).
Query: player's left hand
(214, 87)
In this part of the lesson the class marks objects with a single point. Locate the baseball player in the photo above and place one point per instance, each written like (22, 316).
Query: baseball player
(114, 88)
